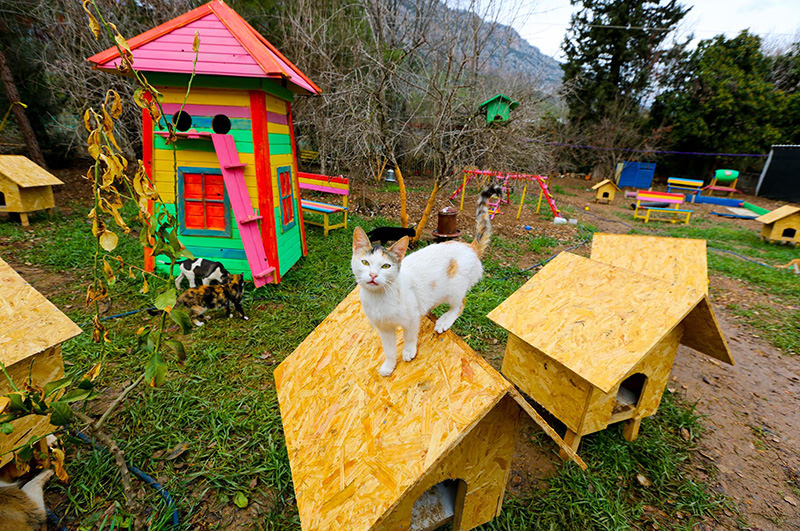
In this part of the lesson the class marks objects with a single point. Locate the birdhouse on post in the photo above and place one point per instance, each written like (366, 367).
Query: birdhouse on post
(498, 108)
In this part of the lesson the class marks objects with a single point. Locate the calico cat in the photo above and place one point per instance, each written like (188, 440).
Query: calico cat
(201, 269)
(22, 509)
(394, 296)
(202, 298)
(390, 234)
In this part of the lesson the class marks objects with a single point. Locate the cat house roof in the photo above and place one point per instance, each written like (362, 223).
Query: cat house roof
(29, 323)
(675, 260)
(359, 442)
(605, 182)
(229, 46)
(25, 173)
(599, 321)
(778, 214)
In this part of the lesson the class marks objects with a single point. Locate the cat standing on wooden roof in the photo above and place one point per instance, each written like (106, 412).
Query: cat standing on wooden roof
(398, 291)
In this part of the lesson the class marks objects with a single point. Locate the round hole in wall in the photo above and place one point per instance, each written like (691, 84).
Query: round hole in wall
(221, 124)
(182, 120)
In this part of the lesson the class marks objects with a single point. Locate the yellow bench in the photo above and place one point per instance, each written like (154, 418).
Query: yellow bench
(673, 200)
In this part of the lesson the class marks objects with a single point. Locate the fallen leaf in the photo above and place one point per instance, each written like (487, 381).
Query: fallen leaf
(791, 501)
(177, 451)
(685, 435)
(253, 483)
(643, 481)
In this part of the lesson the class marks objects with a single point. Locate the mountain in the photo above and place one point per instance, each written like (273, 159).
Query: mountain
(515, 55)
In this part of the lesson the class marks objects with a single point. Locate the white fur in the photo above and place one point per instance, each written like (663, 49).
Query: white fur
(400, 296)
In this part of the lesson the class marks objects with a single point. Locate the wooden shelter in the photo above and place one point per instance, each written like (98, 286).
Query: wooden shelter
(238, 198)
(781, 225)
(25, 187)
(32, 330)
(594, 344)
(365, 448)
(604, 191)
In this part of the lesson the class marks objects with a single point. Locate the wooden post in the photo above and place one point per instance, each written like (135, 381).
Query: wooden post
(403, 212)
(631, 430)
(19, 113)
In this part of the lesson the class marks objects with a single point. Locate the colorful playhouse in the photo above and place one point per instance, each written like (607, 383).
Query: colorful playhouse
(237, 189)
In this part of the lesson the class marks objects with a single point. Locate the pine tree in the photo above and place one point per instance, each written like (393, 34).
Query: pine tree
(612, 48)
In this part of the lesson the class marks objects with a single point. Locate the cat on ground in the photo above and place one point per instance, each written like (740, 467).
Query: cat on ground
(203, 298)
(398, 291)
(22, 508)
(390, 234)
(199, 270)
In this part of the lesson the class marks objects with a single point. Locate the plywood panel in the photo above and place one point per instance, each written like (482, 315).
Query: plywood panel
(24, 172)
(29, 323)
(703, 333)
(555, 387)
(675, 260)
(778, 213)
(595, 319)
(37, 198)
(11, 192)
(482, 460)
(358, 441)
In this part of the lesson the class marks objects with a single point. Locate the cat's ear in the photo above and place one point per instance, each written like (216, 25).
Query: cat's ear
(360, 240)
(398, 250)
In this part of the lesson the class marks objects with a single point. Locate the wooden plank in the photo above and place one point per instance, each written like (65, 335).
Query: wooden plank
(595, 319)
(674, 260)
(264, 180)
(24, 172)
(341, 417)
(231, 111)
(203, 96)
(278, 118)
(296, 168)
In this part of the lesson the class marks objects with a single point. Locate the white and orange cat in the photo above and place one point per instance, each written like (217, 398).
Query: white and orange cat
(398, 291)
(22, 508)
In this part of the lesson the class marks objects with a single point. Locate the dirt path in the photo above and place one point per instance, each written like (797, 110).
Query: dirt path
(752, 419)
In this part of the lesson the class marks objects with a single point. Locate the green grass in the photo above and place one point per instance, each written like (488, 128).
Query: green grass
(221, 401)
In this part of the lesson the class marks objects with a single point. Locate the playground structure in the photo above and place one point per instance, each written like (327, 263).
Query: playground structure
(238, 196)
(366, 451)
(32, 330)
(723, 181)
(503, 179)
(25, 187)
(594, 343)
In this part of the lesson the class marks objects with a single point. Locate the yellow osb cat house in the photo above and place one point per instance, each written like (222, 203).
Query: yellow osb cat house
(594, 343)
(32, 330)
(25, 187)
(431, 443)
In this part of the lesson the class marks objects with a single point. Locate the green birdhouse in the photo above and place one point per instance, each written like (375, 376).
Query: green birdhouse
(498, 108)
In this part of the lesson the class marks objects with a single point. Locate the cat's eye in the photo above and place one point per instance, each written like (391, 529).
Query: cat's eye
(365, 262)
(386, 266)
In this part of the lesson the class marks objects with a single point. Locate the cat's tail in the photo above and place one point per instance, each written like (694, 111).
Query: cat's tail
(483, 226)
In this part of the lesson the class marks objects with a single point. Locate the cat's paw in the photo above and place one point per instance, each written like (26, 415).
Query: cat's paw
(387, 368)
(409, 355)
(442, 325)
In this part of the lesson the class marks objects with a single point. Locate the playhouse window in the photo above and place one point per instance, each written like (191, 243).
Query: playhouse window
(204, 207)
(286, 191)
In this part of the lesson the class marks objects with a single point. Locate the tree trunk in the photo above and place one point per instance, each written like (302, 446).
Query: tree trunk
(403, 212)
(425, 215)
(19, 113)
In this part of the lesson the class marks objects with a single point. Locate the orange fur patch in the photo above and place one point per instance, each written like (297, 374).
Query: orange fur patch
(452, 269)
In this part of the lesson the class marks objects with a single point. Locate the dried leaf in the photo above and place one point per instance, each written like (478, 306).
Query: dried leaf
(98, 330)
(139, 99)
(643, 481)
(685, 435)
(93, 24)
(93, 143)
(196, 42)
(108, 240)
(93, 372)
(123, 44)
(88, 120)
(145, 285)
(109, 273)
(130, 272)
(58, 464)
(116, 104)
(177, 451)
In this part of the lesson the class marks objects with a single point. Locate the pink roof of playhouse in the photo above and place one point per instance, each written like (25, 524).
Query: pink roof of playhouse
(229, 46)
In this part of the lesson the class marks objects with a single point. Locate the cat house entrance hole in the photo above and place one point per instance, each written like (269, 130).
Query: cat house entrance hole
(630, 391)
(2, 199)
(605, 195)
(221, 124)
(440, 504)
(788, 233)
(182, 120)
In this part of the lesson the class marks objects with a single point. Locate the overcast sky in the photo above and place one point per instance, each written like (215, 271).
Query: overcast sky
(544, 22)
